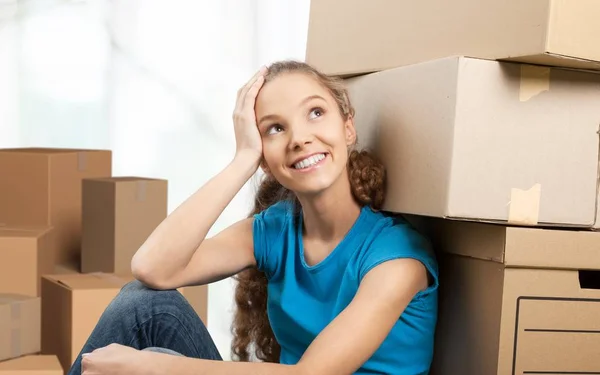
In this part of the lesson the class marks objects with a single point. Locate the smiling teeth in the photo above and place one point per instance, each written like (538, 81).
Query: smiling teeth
(312, 160)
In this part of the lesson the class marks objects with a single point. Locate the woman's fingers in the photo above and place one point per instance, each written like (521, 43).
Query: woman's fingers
(244, 89)
(250, 98)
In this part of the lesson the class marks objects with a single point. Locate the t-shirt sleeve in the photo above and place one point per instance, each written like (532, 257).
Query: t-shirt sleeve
(267, 233)
(400, 240)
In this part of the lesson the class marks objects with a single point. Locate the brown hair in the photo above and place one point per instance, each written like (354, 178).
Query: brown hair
(252, 333)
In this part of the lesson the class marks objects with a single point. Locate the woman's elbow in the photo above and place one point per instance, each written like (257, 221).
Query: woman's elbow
(145, 274)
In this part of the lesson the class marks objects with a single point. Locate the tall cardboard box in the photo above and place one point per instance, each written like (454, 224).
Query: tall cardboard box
(119, 214)
(481, 140)
(32, 365)
(197, 297)
(516, 300)
(20, 322)
(358, 36)
(44, 188)
(26, 253)
(71, 307)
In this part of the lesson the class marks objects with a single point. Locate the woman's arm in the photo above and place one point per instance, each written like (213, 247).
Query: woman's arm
(176, 253)
(345, 344)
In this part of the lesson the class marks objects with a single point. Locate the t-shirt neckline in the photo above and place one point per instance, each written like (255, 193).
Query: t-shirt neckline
(347, 238)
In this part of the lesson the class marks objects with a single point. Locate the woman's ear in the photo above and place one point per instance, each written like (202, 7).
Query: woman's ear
(350, 131)
(265, 167)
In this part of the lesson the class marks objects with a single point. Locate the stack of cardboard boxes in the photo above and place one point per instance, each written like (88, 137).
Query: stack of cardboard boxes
(486, 114)
(68, 230)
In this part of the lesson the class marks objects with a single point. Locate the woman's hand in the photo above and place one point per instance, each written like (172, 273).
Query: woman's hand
(114, 359)
(247, 136)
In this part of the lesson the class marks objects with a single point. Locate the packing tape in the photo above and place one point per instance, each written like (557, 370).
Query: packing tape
(15, 342)
(81, 161)
(15, 323)
(534, 80)
(141, 191)
(117, 281)
(525, 205)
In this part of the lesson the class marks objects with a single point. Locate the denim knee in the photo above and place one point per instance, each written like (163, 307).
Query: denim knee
(135, 296)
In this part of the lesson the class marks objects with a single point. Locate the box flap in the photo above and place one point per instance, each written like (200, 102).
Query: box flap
(23, 231)
(471, 239)
(32, 363)
(89, 281)
(548, 248)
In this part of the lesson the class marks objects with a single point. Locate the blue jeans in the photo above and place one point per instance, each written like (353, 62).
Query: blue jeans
(143, 318)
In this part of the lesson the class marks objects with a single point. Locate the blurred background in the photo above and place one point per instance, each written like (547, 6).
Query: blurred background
(153, 81)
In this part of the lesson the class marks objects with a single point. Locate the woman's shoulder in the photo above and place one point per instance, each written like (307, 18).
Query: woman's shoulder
(274, 219)
(278, 210)
(393, 230)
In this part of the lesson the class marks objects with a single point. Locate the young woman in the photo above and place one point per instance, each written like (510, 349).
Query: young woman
(328, 284)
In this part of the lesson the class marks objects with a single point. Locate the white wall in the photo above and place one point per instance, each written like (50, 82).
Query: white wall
(154, 81)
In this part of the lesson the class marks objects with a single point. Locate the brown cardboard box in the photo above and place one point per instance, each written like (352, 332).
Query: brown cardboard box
(26, 253)
(19, 325)
(119, 214)
(71, 307)
(516, 300)
(32, 365)
(481, 140)
(44, 189)
(73, 303)
(197, 296)
(359, 36)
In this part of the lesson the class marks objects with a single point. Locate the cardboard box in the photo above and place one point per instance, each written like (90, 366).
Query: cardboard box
(367, 36)
(481, 140)
(73, 303)
(71, 307)
(197, 296)
(26, 253)
(119, 214)
(20, 318)
(516, 300)
(32, 365)
(44, 189)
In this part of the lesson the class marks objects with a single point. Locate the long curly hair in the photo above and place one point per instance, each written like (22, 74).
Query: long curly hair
(252, 333)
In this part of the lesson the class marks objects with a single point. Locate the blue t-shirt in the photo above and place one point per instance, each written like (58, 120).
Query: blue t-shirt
(303, 300)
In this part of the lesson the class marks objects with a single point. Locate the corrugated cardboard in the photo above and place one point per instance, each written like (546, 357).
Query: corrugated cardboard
(19, 325)
(73, 303)
(516, 300)
(71, 307)
(197, 296)
(44, 189)
(481, 140)
(119, 214)
(32, 365)
(358, 36)
(26, 253)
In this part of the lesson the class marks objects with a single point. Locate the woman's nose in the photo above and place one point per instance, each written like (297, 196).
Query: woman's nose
(300, 138)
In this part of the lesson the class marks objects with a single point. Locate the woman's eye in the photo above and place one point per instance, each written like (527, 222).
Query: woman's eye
(316, 112)
(274, 129)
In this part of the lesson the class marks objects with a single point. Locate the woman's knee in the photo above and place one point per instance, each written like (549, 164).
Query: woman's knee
(135, 295)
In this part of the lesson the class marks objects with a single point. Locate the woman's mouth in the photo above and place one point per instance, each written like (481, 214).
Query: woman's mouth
(310, 162)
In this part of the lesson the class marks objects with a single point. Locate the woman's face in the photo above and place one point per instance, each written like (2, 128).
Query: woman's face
(305, 138)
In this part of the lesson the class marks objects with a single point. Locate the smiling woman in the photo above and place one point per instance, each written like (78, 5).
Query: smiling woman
(327, 283)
